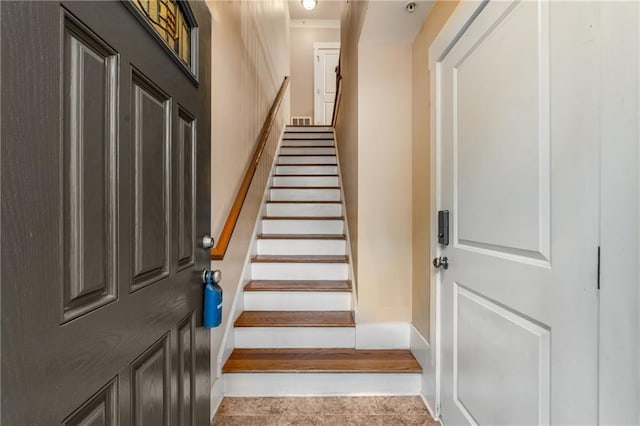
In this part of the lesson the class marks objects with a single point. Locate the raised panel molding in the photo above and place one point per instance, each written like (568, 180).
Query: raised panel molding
(151, 130)
(90, 74)
(101, 409)
(186, 371)
(499, 352)
(501, 157)
(186, 196)
(151, 385)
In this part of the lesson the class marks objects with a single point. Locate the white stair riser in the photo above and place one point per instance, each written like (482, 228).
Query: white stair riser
(306, 181)
(300, 209)
(307, 151)
(306, 170)
(308, 135)
(302, 226)
(302, 247)
(297, 301)
(280, 194)
(299, 271)
(294, 337)
(307, 159)
(302, 142)
(308, 129)
(319, 384)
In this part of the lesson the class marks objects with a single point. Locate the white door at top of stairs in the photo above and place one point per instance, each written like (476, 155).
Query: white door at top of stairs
(326, 56)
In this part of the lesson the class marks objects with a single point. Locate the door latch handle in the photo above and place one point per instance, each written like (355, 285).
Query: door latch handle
(207, 242)
(441, 262)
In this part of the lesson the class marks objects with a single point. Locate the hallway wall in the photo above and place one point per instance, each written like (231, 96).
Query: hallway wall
(385, 164)
(384, 173)
(302, 63)
(250, 58)
(346, 125)
(373, 130)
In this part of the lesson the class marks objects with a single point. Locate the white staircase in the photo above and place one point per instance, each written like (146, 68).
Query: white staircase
(297, 333)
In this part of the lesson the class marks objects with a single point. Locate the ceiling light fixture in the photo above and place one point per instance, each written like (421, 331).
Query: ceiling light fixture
(309, 4)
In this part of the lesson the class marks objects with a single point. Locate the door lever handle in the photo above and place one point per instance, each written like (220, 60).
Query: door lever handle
(441, 262)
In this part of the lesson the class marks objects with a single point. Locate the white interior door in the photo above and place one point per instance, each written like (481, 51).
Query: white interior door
(326, 61)
(518, 150)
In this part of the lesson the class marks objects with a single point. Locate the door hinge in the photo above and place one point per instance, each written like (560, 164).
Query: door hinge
(598, 268)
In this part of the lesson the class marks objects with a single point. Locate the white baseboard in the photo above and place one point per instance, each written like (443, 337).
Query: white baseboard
(422, 352)
(321, 384)
(386, 335)
(430, 410)
(419, 347)
(217, 394)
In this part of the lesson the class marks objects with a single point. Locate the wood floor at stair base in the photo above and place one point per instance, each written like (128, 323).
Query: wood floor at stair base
(321, 384)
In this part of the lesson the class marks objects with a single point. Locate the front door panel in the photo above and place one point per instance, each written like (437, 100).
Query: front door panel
(105, 188)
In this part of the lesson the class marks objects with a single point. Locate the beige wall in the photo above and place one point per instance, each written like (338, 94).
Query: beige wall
(383, 135)
(250, 58)
(346, 125)
(302, 63)
(421, 265)
(384, 176)
(373, 131)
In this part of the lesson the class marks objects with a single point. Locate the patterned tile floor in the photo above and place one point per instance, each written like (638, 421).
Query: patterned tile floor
(335, 411)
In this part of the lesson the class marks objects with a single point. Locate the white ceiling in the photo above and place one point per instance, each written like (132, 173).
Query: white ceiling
(326, 9)
(389, 22)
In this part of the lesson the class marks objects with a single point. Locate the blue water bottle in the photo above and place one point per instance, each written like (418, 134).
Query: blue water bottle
(212, 311)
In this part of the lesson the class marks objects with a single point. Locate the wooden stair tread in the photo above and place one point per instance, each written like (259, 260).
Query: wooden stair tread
(306, 164)
(315, 129)
(305, 147)
(305, 187)
(302, 217)
(315, 132)
(327, 137)
(295, 319)
(321, 361)
(307, 155)
(264, 258)
(302, 237)
(301, 175)
(299, 285)
(303, 202)
(309, 146)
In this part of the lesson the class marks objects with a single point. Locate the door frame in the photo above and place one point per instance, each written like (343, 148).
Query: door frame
(620, 156)
(619, 321)
(453, 29)
(317, 47)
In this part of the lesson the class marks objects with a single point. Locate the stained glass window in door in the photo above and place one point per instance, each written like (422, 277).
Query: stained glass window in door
(168, 19)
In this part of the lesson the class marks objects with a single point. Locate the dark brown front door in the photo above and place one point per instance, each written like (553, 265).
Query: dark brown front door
(105, 193)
